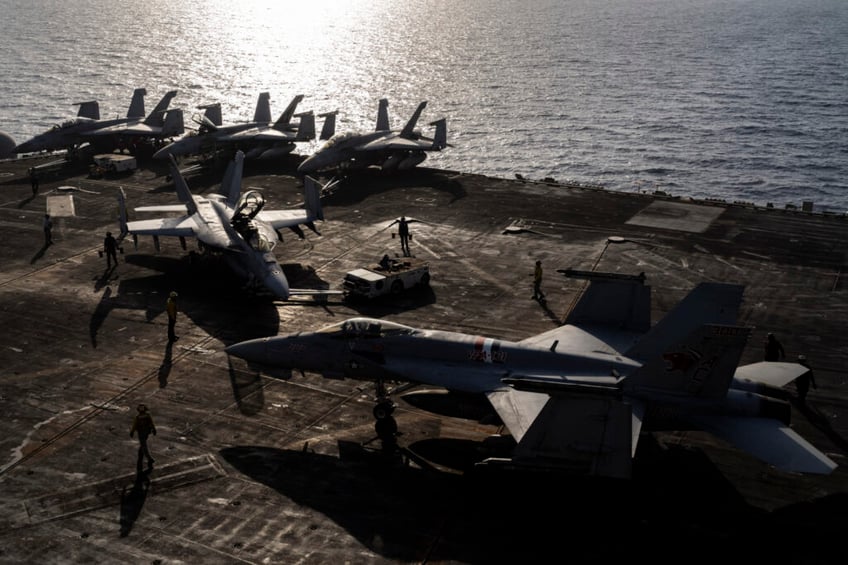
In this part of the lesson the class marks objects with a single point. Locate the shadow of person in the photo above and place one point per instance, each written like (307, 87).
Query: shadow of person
(165, 367)
(99, 315)
(39, 254)
(103, 280)
(132, 501)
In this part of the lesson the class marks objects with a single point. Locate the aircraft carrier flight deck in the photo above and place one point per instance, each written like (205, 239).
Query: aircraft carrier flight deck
(285, 468)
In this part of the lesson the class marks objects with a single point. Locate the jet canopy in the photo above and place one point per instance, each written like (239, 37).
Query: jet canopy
(247, 208)
(366, 328)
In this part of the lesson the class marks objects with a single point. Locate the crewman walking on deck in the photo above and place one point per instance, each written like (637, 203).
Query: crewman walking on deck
(803, 382)
(403, 233)
(144, 426)
(537, 282)
(171, 307)
(33, 180)
(110, 248)
(773, 349)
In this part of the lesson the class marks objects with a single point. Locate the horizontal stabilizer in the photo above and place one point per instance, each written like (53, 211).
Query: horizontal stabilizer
(770, 441)
(589, 436)
(772, 373)
(622, 303)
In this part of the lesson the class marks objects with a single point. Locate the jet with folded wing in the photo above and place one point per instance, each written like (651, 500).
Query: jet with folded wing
(577, 397)
(161, 124)
(232, 224)
(383, 148)
(70, 134)
(258, 139)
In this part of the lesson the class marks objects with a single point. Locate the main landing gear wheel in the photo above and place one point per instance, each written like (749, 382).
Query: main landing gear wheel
(384, 409)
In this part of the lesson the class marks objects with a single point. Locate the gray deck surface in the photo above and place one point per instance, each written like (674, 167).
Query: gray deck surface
(258, 469)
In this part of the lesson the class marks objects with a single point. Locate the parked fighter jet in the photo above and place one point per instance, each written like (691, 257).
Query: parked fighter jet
(70, 134)
(160, 124)
(259, 139)
(86, 127)
(578, 396)
(383, 148)
(232, 224)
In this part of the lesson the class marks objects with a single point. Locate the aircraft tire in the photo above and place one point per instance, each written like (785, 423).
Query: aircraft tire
(384, 410)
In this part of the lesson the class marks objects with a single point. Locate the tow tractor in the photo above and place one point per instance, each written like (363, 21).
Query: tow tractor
(391, 276)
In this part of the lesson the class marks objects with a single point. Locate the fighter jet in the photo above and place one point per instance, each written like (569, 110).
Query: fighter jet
(231, 224)
(383, 148)
(258, 139)
(160, 124)
(85, 127)
(577, 397)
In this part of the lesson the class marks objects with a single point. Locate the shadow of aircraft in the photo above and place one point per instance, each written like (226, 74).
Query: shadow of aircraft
(677, 502)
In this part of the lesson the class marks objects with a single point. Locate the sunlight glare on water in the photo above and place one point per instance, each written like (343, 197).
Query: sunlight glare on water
(702, 98)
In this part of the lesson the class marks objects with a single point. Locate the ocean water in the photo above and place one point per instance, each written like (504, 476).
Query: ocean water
(741, 100)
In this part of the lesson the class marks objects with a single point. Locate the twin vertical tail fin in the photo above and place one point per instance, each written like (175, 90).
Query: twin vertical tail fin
(383, 116)
(181, 188)
(288, 113)
(701, 365)
(136, 109)
(440, 139)
(312, 199)
(174, 124)
(409, 128)
(329, 129)
(306, 129)
(90, 110)
(262, 113)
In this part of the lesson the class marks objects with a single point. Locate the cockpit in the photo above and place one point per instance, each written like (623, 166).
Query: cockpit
(365, 328)
(338, 139)
(247, 208)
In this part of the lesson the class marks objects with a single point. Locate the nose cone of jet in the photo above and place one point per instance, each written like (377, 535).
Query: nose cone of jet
(164, 152)
(26, 147)
(276, 282)
(312, 164)
(252, 350)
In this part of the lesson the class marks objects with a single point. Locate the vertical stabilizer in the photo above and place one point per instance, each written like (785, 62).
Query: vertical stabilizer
(136, 109)
(288, 113)
(440, 139)
(212, 112)
(383, 116)
(174, 124)
(701, 365)
(312, 198)
(409, 128)
(262, 114)
(181, 188)
(306, 129)
(329, 128)
(231, 185)
(90, 110)
(163, 104)
(707, 303)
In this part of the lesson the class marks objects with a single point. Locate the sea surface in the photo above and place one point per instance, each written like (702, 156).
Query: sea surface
(741, 100)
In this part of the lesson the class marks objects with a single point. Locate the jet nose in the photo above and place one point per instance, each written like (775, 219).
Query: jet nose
(309, 165)
(276, 282)
(253, 350)
(164, 152)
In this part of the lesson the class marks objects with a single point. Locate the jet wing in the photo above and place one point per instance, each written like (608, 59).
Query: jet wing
(769, 440)
(284, 218)
(594, 340)
(163, 208)
(177, 227)
(398, 143)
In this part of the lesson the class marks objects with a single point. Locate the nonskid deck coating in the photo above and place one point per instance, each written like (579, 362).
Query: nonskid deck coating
(285, 468)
